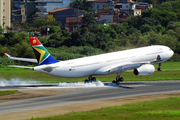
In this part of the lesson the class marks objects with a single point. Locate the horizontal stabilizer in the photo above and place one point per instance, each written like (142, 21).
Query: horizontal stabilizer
(21, 59)
(21, 66)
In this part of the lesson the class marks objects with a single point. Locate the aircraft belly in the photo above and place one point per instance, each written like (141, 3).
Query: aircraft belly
(81, 72)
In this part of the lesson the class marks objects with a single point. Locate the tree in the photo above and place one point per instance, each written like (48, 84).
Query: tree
(166, 6)
(134, 21)
(80, 4)
(159, 29)
(1, 30)
(146, 28)
(53, 29)
(175, 6)
(58, 39)
(164, 17)
(54, 23)
(89, 21)
(149, 21)
(131, 30)
(116, 27)
(173, 25)
(9, 39)
(39, 22)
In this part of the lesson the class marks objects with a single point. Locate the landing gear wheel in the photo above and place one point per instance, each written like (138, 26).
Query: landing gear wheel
(113, 81)
(90, 79)
(94, 79)
(121, 79)
(86, 81)
(118, 80)
(159, 69)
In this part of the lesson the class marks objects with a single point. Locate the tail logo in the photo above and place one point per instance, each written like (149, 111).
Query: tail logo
(42, 53)
(34, 41)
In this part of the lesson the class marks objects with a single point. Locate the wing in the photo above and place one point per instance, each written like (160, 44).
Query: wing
(123, 67)
(117, 67)
(21, 59)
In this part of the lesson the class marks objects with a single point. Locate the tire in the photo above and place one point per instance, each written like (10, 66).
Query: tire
(159, 69)
(86, 81)
(114, 81)
(121, 79)
(94, 79)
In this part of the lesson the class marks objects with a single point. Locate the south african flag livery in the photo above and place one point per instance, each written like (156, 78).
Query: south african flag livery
(42, 55)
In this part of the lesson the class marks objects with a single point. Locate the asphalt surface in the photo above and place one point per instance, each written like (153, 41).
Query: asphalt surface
(88, 94)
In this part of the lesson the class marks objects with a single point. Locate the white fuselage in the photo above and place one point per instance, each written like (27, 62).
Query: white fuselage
(98, 64)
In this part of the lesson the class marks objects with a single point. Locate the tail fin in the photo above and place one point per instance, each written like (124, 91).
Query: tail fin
(42, 55)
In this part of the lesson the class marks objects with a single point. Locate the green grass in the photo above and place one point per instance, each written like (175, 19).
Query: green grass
(170, 71)
(8, 92)
(164, 109)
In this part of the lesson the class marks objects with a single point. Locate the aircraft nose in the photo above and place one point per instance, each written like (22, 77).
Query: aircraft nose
(169, 53)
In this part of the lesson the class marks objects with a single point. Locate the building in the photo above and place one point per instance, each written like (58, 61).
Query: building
(129, 8)
(5, 13)
(16, 10)
(44, 6)
(99, 4)
(104, 15)
(27, 10)
(61, 14)
(72, 23)
(21, 10)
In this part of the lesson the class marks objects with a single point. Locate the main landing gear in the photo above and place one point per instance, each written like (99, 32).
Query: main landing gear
(118, 79)
(159, 68)
(90, 79)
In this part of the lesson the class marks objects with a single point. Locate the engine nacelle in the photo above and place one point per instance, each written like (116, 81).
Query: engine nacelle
(146, 69)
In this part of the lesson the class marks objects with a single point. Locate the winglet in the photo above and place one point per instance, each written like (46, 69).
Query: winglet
(7, 55)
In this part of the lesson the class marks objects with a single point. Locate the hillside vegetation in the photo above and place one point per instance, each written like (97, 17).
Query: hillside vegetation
(160, 26)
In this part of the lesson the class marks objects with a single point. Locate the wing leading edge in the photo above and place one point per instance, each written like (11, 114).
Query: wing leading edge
(123, 67)
(120, 67)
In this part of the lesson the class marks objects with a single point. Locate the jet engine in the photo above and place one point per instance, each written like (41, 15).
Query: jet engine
(146, 69)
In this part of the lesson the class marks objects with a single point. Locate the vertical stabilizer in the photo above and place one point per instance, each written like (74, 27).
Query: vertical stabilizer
(42, 55)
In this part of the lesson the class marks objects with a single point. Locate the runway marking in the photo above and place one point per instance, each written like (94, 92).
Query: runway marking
(85, 97)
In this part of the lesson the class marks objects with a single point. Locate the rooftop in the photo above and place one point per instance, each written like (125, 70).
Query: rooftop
(58, 9)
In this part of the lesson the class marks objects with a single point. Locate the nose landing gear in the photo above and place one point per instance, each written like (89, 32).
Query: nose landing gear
(159, 68)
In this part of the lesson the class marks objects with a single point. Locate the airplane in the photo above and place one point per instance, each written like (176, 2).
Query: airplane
(140, 59)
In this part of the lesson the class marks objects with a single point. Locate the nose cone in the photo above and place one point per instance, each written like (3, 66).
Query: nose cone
(170, 53)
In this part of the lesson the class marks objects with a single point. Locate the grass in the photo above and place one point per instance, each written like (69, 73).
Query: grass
(8, 92)
(170, 72)
(164, 109)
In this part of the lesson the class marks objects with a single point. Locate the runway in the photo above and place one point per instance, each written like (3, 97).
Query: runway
(75, 95)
